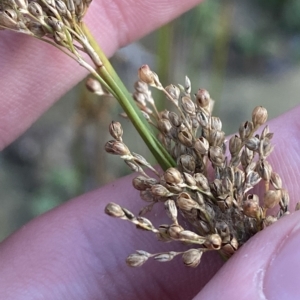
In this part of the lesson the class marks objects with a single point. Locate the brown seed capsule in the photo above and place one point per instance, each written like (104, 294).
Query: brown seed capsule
(264, 169)
(173, 176)
(148, 76)
(203, 98)
(141, 183)
(216, 138)
(189, 179)
(252, 144)
(174, 230)
(114, 210)
(245, 130)
(188, 105)
(174, 119)
(136, 260)
(187, 163)
(251, 206)
(21, 4)
(159, 190)
(116, 130)
(185, 202)
(276, 181)
(144, 224)
(8, 18)
(164, 126)
(173, 90)
(213, 242)
(190, 237)
(216, 156)
(116, 148)
(259, 116)
(201, 146)
(272, 198)
(235, 144)
(203, 119)
(216, 123)
(171, 209)
(202, 181)
(192, 257)
(185, 137)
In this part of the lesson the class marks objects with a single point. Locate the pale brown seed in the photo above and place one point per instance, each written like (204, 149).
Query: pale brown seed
(259, 116)
(216, 156)
(185, 137)
(264, 169)
(235, 144)
(187, 163)
(188, 105)
(173, 91)
(276, 181)
(202, 181)
(164, 126)
(116, 148)
(252, 144)
(171, 210)
(272, 198)
(251, 206)
(114, 210)
(192, 257)
(175, 119)
(245, 130)
(159, 190)
(185, 202)
(136, 260)
(189, 179)
(116, 130)
(201, 146)
(173, 176)
(213, 242)
(203, 98)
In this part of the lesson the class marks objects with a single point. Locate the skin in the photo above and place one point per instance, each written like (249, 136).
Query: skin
(77, 252)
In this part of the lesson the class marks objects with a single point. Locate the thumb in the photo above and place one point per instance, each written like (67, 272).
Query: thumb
(266, 267)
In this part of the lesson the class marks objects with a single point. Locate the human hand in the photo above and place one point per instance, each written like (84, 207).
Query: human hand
(75, 251)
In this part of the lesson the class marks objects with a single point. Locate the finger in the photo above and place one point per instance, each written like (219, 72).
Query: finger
(266, 267)
(77, 252)
(34, 74)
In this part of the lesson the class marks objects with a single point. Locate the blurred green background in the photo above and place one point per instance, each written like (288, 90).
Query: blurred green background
(246, 53)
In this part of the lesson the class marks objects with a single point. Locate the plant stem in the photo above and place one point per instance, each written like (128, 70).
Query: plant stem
(124, 98)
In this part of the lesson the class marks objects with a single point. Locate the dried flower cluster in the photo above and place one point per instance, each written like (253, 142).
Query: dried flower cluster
(210, 186)
(57, 22)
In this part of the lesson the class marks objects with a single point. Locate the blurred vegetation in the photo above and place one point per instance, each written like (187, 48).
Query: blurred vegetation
(244, 52)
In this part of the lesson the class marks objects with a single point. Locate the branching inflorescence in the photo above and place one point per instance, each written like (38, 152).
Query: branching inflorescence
(209, 187)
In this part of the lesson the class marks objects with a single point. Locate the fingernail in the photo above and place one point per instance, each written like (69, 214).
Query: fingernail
(282, 278)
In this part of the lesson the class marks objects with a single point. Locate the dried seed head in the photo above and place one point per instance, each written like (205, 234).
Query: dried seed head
(192, 257)
(21, 4)
(203, 98)
(251, 206)
(259, 116)
(143, 223)
(201, 146)
(114, 210)
(116, 130)
(272, 198)
(136, 259)
(8, 18)
(173, 176)
(216, 137)
(141, 183)
(116, 148)
(213, 242)
(173, 91)
(174, 230)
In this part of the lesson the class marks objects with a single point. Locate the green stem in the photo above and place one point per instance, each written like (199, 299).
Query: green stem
(124, 98)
